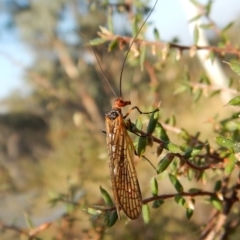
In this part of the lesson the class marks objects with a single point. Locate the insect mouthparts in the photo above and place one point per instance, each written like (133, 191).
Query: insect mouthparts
(118, 103)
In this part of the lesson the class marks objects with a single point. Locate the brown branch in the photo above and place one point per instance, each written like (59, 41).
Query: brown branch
(180, 156)
(30, 234)
(164, 45)
(183, 194)
(162, 197)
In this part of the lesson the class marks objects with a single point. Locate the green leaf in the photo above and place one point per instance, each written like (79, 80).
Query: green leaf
(172, 147)
(176, 183)
(143, 51)
(189, 213)
(234, 65)
(159, 150)
(152, 122)
(206, 26)
(195, 18)
(165, 162)
(234, 101)
(195, 190)
(141, 146)
(154, 186)
(180, 200)
(216, 92)
(216, 203)
(28, 221)
(156, 34)
(225, 142)
(196, 3)
(112, 45)
(182, 88)
(218, 186)
(93, 211)
(197, 95)
(157, 203)
(236, 147)
(229, 25)
(208, 7)
(196, 150)
(106, 197)
(231, 160)
(161, 133)
(111, 218)
(139, 124)
(146, 213)
(196, 34)
(110, 22)
(97, 41)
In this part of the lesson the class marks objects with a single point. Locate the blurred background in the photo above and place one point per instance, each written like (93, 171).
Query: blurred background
(53, 98)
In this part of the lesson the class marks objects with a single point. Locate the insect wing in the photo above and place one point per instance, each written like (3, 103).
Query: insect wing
(126, 190)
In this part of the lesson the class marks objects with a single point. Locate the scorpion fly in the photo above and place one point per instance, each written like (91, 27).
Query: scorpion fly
(125, 186)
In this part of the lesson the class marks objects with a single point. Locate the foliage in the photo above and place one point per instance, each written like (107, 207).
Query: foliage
(194, 138)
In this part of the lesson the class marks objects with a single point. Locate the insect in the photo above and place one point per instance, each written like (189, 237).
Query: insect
(126, 189)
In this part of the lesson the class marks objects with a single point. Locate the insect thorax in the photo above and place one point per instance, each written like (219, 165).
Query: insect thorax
(113, 114)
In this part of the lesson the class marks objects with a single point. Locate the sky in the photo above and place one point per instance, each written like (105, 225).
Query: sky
(169, 18)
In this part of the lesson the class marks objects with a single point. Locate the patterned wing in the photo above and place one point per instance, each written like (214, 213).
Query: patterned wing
(126, 190)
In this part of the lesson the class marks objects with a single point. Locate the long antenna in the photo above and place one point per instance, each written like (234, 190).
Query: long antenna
(99, 65)
(121, 74)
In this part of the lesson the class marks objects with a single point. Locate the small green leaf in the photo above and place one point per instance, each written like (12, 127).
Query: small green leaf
(225, 142)
(196, 3)
(143, 51)
(229, 25)
(141, 146)
(236, 147)
(110, 22)
(111, 218)
(197, 95)
(152, 122)
(28, 221)
(94, 211)
(218, 186)
(189, 213)
(106, 197)
(234, 65)
(214, 93)
(161, 133)
(157, 203)
(112, 45)
(190, 174)
(208, 7)
(196, 34)
(234, 101)
(154, 186)
(180, 200)
(216, 203)
(181, 89)
(159, 150)
(206, 26)
(164, 162)
(139, 124)
(156, 34)
(173, 148)
(196, 150)
(97, 41)
(146, 213)
(176, 183)
(195, 18)
(194, 190)
(231, 160)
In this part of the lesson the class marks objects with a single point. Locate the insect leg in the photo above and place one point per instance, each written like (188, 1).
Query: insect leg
(135, 107)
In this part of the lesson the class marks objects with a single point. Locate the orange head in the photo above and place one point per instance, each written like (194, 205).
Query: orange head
(118, 103)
